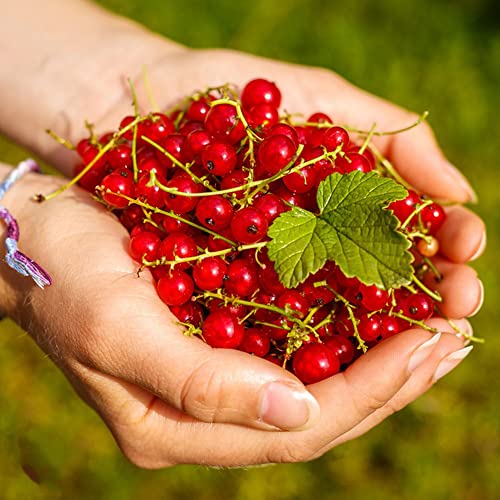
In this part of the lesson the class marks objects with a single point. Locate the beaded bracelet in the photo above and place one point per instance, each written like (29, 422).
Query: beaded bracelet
(16, 259)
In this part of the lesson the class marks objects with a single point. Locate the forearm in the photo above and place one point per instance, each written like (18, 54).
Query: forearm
(65, 58)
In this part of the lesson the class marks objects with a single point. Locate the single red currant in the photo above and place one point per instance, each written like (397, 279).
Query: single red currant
(314, 362)
(178, 203)
(241, 278)
(248, 225)
(275, 153)
(178, 246)
(270, 206)
(223, 329)
(255, 341)
(260, 91)
(342, 347)
(144, 244)
(121, 183)
(176, 288)
(219, 158)
(214, 212)
(208, 273)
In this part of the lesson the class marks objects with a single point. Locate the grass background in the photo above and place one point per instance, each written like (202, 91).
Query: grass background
(431, 54)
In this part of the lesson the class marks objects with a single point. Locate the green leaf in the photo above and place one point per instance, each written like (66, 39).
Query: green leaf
(352, 228)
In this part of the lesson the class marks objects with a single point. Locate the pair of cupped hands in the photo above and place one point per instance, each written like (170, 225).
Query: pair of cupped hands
(170, 399)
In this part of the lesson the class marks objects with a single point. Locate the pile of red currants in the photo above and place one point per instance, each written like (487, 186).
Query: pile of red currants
(198, 188)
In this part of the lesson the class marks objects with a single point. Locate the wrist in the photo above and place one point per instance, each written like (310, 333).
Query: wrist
(14, 287)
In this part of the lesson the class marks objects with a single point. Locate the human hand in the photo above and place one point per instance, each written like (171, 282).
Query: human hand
(170, 399)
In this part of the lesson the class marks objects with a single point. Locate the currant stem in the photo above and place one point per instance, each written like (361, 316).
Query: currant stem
(88, 167)
(368, 139)
(428, 291)
(173, 215)
(421, 119)
(206, 254)
(64, 142)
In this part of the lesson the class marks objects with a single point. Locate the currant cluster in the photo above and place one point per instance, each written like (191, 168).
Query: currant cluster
(198, 188)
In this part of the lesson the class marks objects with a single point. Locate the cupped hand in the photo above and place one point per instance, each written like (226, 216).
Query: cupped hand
(171, 399)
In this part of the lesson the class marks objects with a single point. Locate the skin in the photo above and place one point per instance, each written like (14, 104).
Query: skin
(169, 399)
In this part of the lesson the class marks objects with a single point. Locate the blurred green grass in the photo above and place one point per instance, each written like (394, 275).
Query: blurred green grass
(436, 55)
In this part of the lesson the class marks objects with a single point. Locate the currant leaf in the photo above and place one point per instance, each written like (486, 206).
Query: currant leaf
(352, 229)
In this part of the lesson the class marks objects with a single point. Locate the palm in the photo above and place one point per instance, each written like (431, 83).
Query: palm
(130, 361)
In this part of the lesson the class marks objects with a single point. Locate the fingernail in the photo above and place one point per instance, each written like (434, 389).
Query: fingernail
(481, 299)
(422, 352)
(458, 177)
(466, 328)
(450, 362)
(480, 248)
(288, 407)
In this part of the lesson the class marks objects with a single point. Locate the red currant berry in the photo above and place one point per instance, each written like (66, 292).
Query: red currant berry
(92, 178)
(129, 135)
(144, 244)
(263, 116)
(196, 141)
(260, 91)
(293, 301)
(372, 297)
(180, 246)
(335, 137)
(121, 183)
(275, 153)
(234, 179)
(351, 162)
(152, 195)
(402, 209)
(417, 306)
(131, 216)
(370, 327)
(222, 329)
(270, 206)
(316, 295)
(433, 217)
(219, 158)
(175, 289)
(342, 347)
(223, 123)
(302, 181)
(248, 225)
(284, 129)
(241, 278)
(315, 362)
(172, 225)
(156, 128)
(175, 145)
(190, 313)
(120, 156)
(198, 110)
(178, 203)
(214, 212)
(255, 341)
(390, 326)
(208, 273)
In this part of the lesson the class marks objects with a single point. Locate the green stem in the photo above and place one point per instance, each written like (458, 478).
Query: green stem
(428, 291)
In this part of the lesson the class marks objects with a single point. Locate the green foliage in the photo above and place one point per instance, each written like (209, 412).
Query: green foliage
(352, 229)
(435, 55)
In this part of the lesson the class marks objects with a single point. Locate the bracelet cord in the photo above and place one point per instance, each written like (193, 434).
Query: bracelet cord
(16, 259)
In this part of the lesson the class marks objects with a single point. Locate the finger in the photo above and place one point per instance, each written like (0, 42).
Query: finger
(463, 235)
(415, 152)
(462, 291)
(153, 434)
(148, 349)
(438, 364)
